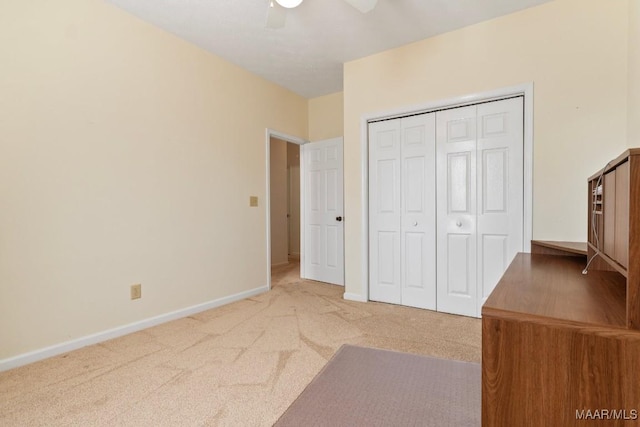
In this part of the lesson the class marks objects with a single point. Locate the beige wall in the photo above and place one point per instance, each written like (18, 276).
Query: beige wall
(326, 117)
(278, 202)
(126, 156)
(574, 51)
(633, 128)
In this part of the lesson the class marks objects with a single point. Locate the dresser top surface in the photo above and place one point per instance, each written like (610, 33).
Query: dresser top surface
(554, 287)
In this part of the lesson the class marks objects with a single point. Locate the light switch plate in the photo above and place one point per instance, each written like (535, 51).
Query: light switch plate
(253, 201)
(136, 291)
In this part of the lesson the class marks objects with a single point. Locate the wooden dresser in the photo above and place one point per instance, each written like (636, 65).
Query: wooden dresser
(560, 348)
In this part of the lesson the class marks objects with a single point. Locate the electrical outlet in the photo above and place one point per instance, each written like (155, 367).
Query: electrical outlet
(136, 291)
(253, 201)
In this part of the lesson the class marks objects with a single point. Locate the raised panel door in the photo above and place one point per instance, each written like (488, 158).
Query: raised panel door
(418, 240)
(385, 212)
(324, 233)
(500, 190)
(456, 210)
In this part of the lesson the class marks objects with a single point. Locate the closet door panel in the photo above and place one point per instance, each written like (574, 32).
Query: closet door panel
(385, 275)
(459, 252)
(456, 210)
(500, 190)
(446, 205)
(418, 211)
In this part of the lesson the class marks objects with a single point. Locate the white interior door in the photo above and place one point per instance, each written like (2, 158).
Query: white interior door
(402, 212)
(385, 276)
(418, 225)
(479, 200)
(500, 190)
(323, 211)
(456, 210)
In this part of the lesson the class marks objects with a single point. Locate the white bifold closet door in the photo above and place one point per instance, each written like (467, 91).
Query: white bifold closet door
(479, 200)
(402, 244)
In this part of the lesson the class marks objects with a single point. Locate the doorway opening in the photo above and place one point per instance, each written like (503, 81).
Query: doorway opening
(283, 207)
(284, 196)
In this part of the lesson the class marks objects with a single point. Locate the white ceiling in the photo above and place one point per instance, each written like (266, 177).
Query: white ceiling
(306, 56)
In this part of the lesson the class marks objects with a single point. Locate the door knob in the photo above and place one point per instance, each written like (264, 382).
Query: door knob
(338, 218)
(415, 223)
(458, 223)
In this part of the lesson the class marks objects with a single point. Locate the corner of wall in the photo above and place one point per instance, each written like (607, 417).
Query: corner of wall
(326, 117)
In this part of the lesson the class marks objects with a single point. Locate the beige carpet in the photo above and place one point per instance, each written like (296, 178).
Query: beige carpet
(238, 365)
(380, 388)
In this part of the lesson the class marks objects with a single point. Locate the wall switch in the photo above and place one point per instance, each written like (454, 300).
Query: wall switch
(253, 201)
(136, 291)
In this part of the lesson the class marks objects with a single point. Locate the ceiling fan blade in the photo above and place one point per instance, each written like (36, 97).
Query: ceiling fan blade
(276, 16)
(363, 6)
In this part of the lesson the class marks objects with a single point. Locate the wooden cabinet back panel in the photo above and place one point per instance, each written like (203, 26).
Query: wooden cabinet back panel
(609, 214)
(621, 229)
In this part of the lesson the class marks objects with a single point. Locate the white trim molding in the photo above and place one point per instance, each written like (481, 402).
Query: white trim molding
(525, 89)
(354, 297)
(65, 347)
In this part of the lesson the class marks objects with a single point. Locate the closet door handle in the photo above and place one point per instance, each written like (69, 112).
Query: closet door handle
(458, 223)
(338, 218)
(415, 223)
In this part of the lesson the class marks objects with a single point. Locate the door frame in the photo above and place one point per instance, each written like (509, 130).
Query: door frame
(269, 133)
(525, 89)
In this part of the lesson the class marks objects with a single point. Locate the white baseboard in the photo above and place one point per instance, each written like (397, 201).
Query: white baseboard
(65, 347)
(279, 264)
(354, 297)
(295, 256)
